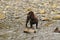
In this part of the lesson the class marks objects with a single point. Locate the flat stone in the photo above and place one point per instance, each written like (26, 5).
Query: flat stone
(45, 19)
(57, 17)
(29, 30)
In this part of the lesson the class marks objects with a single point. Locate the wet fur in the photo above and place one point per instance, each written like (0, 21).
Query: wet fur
(33, 20)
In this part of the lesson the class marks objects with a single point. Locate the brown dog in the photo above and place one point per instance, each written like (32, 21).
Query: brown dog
(33, 20)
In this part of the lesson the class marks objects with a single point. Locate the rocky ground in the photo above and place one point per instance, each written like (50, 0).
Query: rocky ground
(13, 19)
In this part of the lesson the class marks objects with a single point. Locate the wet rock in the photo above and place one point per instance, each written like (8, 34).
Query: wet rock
(57, 17)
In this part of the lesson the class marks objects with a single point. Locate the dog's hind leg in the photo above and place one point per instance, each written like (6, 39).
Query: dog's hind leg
(37, 25)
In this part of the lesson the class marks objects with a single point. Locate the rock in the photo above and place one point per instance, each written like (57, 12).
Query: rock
(57, 30)
(57, 17)
(42, 11)
(49, 23)
(29, 30)
(7, 6)
(29, 9)
(54, 5)
(2, 15)
(17, 17)
(45, 19)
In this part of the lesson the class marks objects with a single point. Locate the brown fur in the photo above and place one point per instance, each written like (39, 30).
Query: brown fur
(33, 20)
